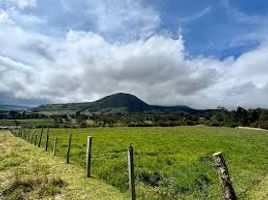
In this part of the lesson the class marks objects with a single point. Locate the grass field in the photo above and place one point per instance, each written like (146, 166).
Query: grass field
(27, 172)
(171, 163)
(27, 122)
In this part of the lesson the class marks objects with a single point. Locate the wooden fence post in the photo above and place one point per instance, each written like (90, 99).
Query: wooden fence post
(32, 137)
(89, 148)
(228, 190)
(69, 148)
(55, 146)
(40, 139)
(23, 134)
(14, 132)
(35, 140)
(47, 139)
(20, 132)
(28, 136)
(131, 174)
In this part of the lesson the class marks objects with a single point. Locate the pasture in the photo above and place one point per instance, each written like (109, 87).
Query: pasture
(26, 122)
(170, 163)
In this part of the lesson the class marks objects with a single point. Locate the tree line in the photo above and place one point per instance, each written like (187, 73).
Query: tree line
(257, 118)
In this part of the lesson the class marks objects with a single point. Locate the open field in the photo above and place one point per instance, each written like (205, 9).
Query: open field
(27, 172)
(172, 163)
(26, 122)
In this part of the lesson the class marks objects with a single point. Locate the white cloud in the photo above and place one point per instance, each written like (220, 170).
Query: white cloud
(23, 3)
(84, 66)
(125, 17)
(4, 17)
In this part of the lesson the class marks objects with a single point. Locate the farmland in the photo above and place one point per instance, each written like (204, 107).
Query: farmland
(171, 163)
(30, 173)
(26, 122)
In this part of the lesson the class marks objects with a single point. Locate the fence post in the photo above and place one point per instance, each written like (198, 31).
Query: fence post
(228, 191)
(32, 137)
(55, 146)
(20, 132)
(41, 135)
(89, 148)
(28, 136)
(23, 134)
(69, 148)
(35, 140)
(131, 174)
(47, 138)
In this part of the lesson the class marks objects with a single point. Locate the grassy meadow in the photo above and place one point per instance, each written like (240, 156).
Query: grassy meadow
(26, 122)
(27, 172)
(171, 163)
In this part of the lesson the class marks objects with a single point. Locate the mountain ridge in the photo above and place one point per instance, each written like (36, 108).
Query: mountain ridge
(7, 107)
(115, 103)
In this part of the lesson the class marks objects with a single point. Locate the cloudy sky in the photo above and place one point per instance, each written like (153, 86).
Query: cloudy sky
(172, 52)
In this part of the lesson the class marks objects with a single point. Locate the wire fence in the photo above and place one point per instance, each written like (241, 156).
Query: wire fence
(105, 163)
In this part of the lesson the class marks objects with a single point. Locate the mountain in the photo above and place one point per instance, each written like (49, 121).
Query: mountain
(116, 103)
(4, 107)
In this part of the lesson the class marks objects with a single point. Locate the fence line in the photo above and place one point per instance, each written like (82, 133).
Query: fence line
(32, 138)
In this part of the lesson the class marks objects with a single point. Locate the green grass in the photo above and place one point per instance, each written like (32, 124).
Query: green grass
(27, 172)
(26, 122)
(171, 163)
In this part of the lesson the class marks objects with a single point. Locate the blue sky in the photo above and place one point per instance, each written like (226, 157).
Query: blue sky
(202, 54)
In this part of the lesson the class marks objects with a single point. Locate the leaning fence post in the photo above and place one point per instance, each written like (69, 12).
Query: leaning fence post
(69, 148)
(131, 174)
(89, 147)
(40, 139)
(47, 138)
(55, 146)
(228, 190)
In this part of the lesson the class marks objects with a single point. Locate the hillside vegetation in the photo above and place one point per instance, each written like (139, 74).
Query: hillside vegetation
(121, 102)
(121, 110)
(29, 173)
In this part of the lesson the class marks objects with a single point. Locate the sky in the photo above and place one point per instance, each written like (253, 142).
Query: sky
(202, 54)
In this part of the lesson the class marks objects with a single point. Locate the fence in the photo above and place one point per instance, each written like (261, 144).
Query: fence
(41, 139)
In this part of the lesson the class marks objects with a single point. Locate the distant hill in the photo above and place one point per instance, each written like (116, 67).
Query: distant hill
(116, 103)
(4, 107)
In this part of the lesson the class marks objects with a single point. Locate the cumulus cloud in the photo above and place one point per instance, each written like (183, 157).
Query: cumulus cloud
(85, 65)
